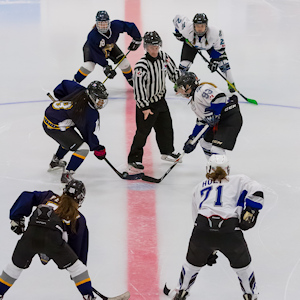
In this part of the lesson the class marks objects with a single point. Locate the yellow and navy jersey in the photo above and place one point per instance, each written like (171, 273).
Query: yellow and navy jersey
(101, 44)
(58, 115)
(24, 205)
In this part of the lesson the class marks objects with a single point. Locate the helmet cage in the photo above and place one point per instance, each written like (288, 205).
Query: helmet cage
(187, 81)
(97, 94)
(200, 19)
(102, 21)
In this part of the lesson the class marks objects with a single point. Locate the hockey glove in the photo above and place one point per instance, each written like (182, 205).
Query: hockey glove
(213, 65)
(248, 218)
(212, 259)
(135, 43)
(109, 72)
(210, 118)
(179, 36)
(18, 227)
(188, 147)
(234, 99)
(100, 153)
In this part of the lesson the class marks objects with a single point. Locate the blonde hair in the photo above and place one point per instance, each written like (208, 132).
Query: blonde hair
(68, 210)
(217, 175)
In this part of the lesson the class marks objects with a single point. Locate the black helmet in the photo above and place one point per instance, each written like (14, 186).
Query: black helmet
(98, 94)
(187, 81)
(102, 16)
(76, 190)
(152, 38)
(200, 19)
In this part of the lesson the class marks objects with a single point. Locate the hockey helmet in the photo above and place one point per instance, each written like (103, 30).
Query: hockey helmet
(200, 19)
(98, 94)
(186, 81)
(76, 190)
(102, 21)
(152, 38)
(217, 160)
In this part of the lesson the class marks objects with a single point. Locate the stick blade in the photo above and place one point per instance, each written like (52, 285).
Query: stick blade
(126, 176)
(124, 296)
(252, 101)
(150, 179)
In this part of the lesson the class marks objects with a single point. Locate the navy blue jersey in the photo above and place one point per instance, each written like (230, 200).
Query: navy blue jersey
(58, 115)
(100, 45)
(23, 207)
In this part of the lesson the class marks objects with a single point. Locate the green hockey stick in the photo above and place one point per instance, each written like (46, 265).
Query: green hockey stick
(206, 60)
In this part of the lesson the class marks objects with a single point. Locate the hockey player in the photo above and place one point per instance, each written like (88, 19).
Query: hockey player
(214, 108)
(56, 230)
(223, 205)
(101, 45)
(202, 37)
(152, 110)
(77, 108)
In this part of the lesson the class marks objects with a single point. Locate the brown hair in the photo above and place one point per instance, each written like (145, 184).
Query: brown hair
(217, 175)
(80, 102)
(68, 209)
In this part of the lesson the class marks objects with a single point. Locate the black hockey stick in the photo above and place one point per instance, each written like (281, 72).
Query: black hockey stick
(158, 180)
(118, 64)
(124, 296)
(125, 175)
(231, 85)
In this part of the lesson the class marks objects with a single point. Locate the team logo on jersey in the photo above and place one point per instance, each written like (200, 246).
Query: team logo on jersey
(102, 43)
(139, 73)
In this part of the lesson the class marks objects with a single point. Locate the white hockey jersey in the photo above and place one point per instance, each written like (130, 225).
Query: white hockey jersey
(226, 199)
(208, 96)
(212, 39)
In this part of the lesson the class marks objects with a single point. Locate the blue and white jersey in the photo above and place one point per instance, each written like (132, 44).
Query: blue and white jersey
(24, 205)
(58, 115)
(226, 198)
(100, 45)
(208, 98)
(212, 40)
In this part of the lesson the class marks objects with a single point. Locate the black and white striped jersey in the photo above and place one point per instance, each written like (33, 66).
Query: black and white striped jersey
(149, 78)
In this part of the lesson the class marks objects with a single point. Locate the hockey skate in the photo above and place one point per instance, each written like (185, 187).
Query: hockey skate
(181, 295)
(250, 297)
(135, 165)
(56, 163)
(172, 157)
(67, 176)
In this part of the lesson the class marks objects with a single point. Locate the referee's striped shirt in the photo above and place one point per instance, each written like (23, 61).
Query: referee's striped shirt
(149, 79)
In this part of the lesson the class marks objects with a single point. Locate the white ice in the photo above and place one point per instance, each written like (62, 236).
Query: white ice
(41, 44)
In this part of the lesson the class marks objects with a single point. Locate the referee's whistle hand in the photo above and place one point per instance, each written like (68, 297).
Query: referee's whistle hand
(146, 113)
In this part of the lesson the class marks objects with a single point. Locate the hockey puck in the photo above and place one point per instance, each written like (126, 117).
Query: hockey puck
(125, 174)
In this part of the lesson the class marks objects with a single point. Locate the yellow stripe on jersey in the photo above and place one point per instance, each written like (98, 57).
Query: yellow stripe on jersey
(208, 83)
(82, 73)
(83, 281)
(4, 282)
(124, 72)
(79, 156)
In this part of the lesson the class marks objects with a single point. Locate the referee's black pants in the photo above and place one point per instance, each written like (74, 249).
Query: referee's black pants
(161, 121)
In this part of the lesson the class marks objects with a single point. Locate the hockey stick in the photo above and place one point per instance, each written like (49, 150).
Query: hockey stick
(51, 97)
(118, 64)
(124, 296)
(194, 141)
(206, 60)
(125, 175)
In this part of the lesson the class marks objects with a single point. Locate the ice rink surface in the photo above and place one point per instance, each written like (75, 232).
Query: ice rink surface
(41, 44)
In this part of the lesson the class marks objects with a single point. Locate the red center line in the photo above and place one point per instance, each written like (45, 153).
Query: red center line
(142, 253)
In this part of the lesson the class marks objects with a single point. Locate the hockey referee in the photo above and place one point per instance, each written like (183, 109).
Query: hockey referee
(152, 111)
